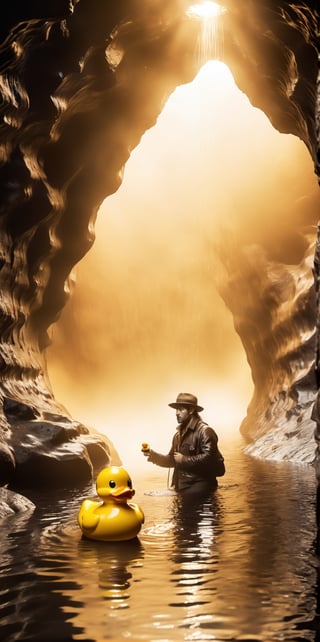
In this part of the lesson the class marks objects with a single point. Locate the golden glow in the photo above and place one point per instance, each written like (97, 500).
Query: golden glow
(205, 10)
(146, 320)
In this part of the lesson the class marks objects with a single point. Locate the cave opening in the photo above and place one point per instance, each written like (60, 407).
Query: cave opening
(147, 316)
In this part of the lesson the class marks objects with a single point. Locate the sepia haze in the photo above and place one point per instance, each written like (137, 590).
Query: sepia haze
(146, 320)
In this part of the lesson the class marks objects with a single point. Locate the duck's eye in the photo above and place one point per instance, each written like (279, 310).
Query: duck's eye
(129, 483)
(112, 483)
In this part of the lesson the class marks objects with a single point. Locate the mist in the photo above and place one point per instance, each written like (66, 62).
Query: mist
(145, 320)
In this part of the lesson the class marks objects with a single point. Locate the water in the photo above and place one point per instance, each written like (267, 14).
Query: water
(241, 567)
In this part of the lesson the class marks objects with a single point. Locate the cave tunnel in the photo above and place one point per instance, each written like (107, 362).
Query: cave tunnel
(82, 84)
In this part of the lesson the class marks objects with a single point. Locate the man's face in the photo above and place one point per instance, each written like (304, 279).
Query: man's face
(183, 414)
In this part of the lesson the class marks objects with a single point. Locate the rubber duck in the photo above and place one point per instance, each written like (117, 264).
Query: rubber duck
(113, 518)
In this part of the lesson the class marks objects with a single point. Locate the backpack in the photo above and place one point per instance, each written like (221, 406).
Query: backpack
(219, 468)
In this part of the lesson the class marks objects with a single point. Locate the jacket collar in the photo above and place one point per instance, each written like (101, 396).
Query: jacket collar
(191, 425)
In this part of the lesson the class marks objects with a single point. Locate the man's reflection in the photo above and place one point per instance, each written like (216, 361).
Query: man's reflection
(195, 554)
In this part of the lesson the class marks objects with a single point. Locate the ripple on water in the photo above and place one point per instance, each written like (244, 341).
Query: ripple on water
(239, 567)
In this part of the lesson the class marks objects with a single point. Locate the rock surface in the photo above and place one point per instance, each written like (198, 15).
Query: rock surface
(12, 503)
(53, 450)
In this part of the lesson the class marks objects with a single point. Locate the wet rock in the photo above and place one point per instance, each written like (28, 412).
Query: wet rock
(7, 463)
(14, 409)
(12, 503)
(56, 454)
(286, 443)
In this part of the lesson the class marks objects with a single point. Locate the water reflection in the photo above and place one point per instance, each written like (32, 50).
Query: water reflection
(195, 557)
(195, 528)
(112, 561)
(314, 623)
(239, 565)
(31, 599)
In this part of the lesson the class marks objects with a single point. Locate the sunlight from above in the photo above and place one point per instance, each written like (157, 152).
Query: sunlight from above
(146, 319)
(210, 39)
(205, 9)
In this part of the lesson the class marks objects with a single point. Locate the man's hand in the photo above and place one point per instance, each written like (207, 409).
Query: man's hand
(178, 458)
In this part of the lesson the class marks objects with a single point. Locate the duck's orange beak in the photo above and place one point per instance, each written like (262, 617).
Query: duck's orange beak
(122, 494)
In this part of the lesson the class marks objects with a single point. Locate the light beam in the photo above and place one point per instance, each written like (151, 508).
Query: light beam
(205, 10)
(211, 35)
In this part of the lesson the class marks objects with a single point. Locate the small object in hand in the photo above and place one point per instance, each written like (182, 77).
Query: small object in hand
(145, 447)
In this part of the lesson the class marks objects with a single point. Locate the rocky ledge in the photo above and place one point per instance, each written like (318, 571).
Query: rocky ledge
(52, 450)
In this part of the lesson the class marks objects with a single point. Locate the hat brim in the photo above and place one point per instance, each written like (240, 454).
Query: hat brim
(185, 404)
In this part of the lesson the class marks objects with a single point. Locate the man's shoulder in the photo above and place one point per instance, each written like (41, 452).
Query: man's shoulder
(202, 425)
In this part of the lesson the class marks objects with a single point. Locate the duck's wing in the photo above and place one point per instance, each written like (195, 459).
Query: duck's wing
(138, 511)
(87, 517)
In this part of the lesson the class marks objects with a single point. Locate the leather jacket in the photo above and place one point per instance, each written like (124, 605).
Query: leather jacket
(197, 442)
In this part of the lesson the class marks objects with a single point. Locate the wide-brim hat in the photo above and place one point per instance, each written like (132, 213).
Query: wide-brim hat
(186, 399)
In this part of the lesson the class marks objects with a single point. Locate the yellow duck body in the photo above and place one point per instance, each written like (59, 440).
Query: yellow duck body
(113, 518)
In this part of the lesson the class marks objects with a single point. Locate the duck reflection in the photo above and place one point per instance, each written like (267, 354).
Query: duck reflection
(112, 562)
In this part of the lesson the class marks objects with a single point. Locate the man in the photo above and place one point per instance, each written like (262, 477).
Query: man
(194, 454)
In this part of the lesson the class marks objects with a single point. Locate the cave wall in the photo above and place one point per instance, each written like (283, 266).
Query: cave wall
(81, 82)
